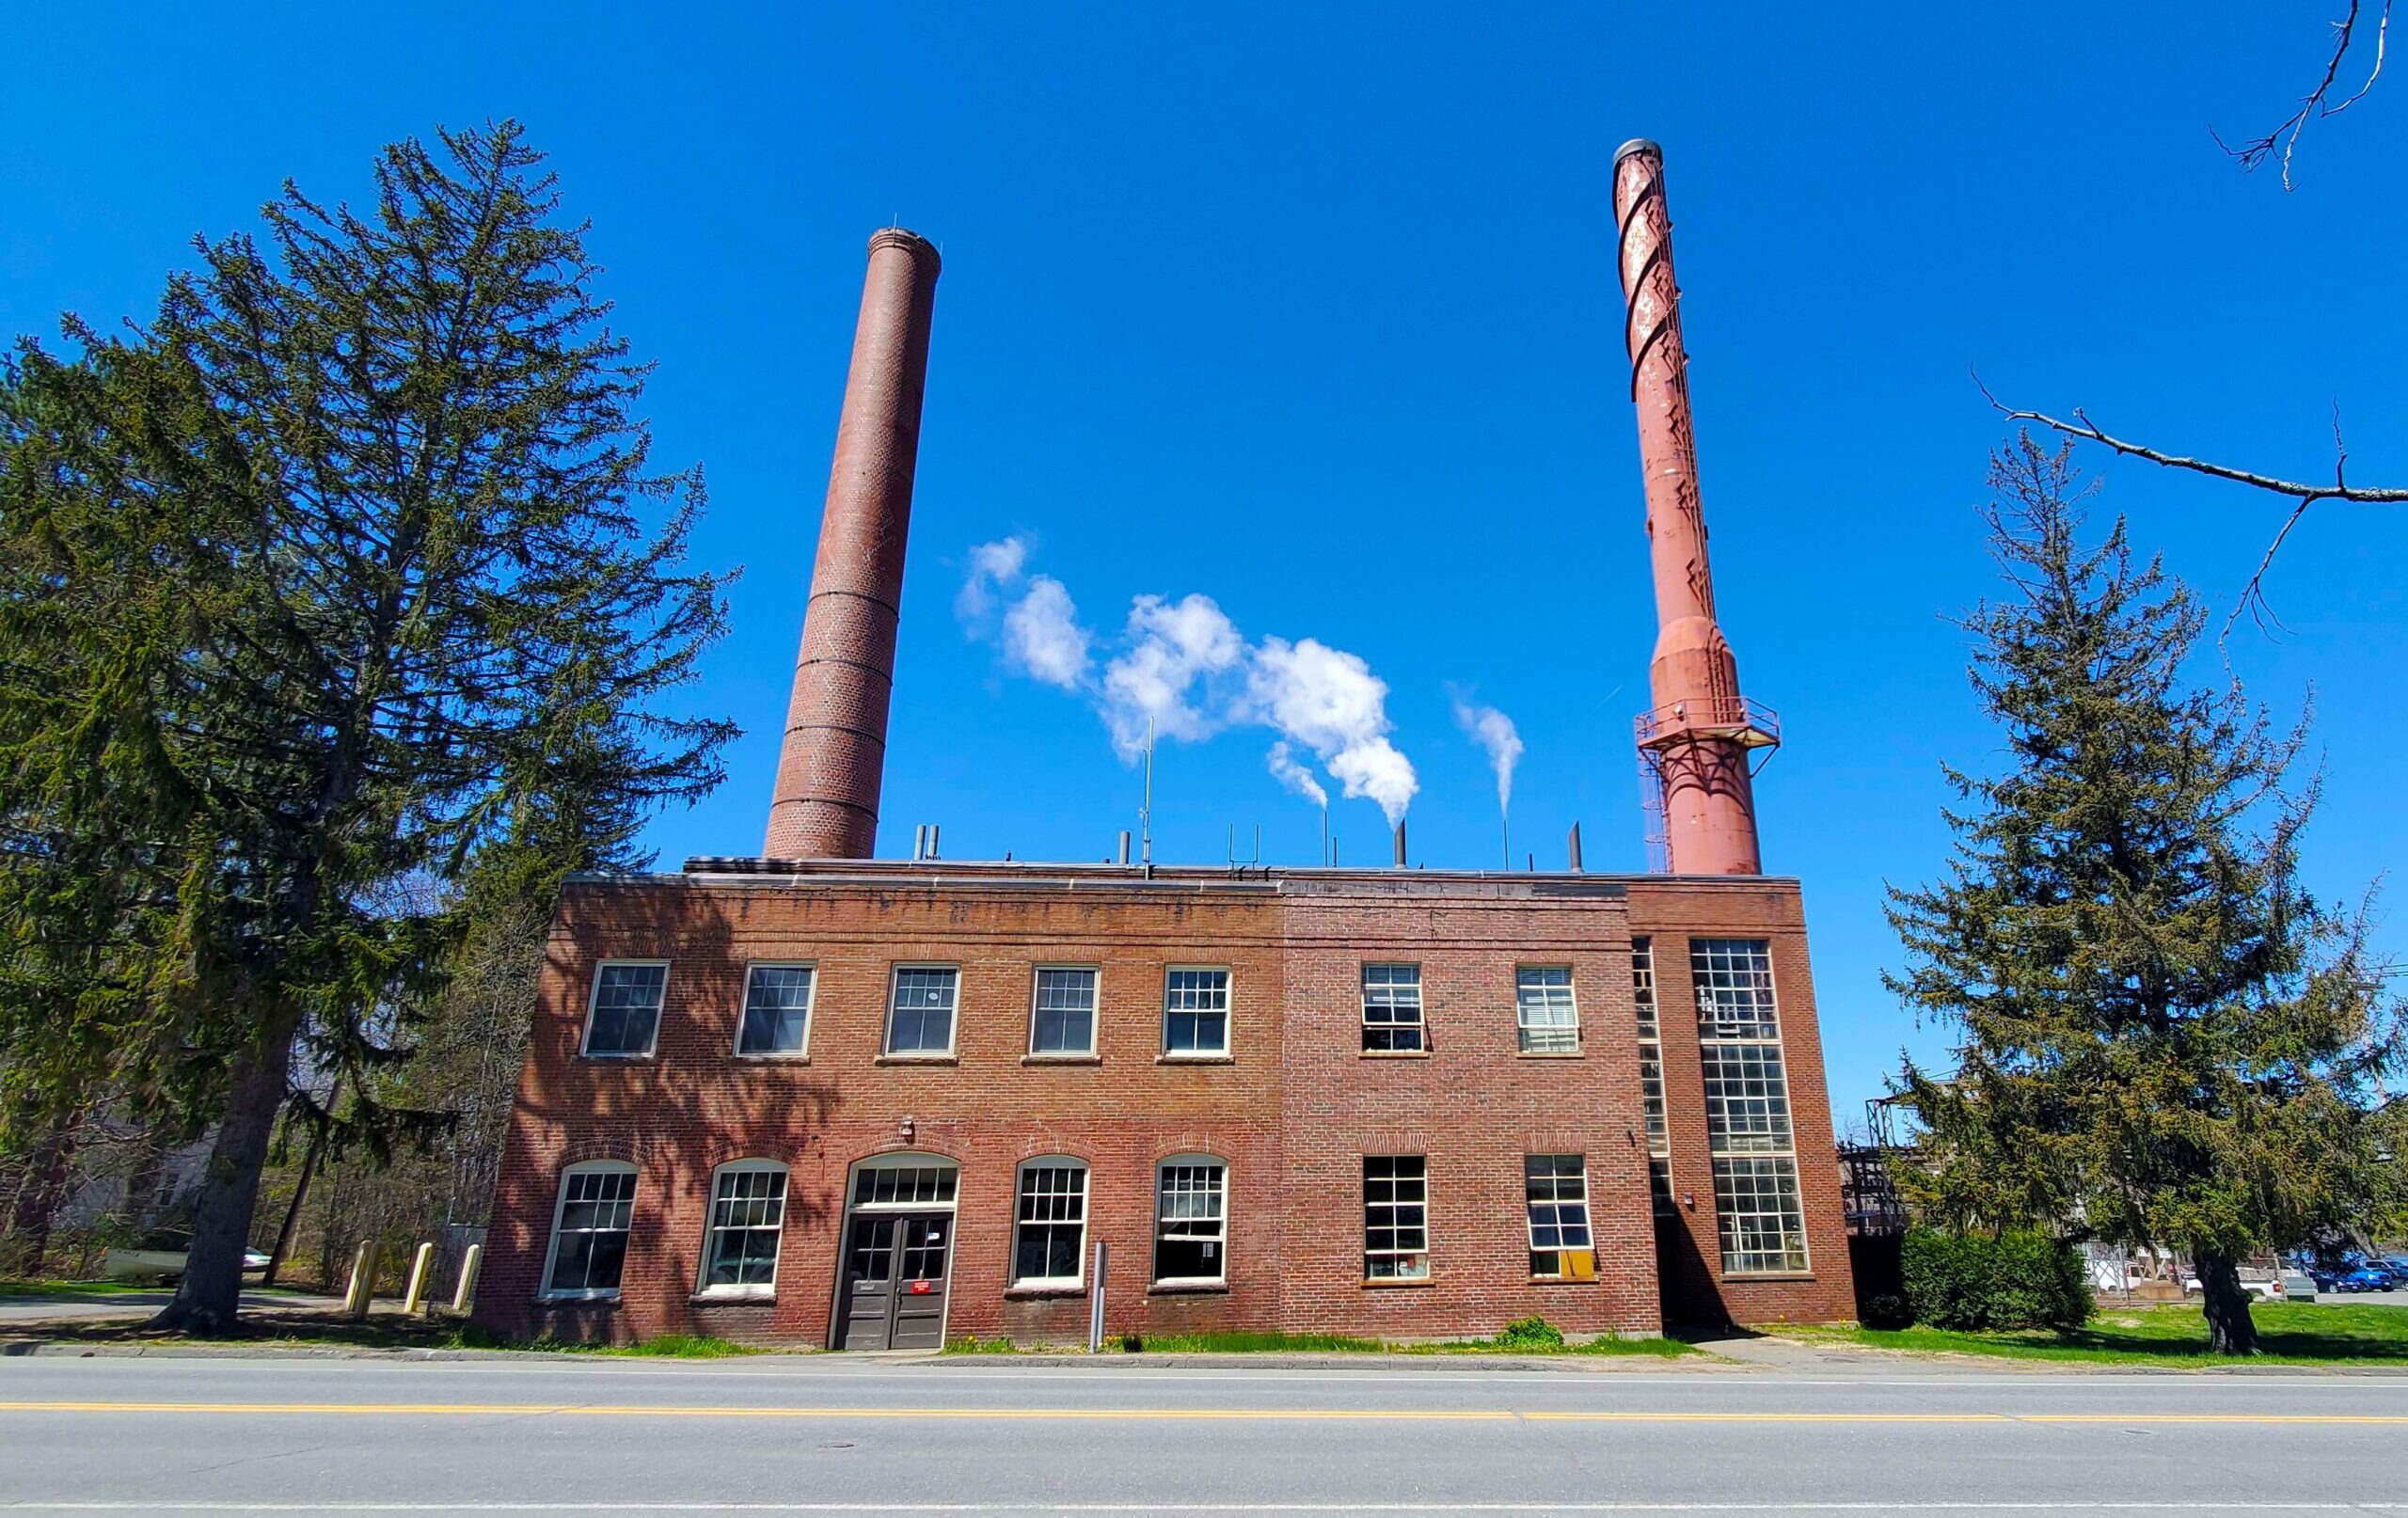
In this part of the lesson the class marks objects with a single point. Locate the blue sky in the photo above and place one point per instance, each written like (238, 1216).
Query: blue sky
(1312, 310)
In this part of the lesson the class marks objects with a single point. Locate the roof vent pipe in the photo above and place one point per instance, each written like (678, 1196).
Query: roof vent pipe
(932, 840)
(1399, 845)
(1124, 845)
(1573, 846)
(919, 843)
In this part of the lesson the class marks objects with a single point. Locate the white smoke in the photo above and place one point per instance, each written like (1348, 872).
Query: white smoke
(1174, 648)
(1295, 776)
(1042, 635)
(1182, 671)
(993, 567)
(1329, 701)
(1493, 731)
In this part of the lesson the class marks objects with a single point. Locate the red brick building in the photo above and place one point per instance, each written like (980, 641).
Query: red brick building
(816, 1098)
(1399, 1103)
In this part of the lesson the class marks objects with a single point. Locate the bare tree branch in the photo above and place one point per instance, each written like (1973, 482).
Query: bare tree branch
(2082, 427)
(2283, 140)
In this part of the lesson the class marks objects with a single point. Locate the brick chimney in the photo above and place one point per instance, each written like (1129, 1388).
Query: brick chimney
(835, 754)
(1698, 739)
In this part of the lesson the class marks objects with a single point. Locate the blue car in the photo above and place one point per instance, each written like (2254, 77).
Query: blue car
(2352, 1278)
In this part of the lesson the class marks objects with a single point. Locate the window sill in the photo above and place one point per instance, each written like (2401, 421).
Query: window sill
(1194, 1059)
(1396, 1053)
(577, 1298)
(1769, 1275)
(917, 1059)
(770, 1059)
(1396, 1283)
(1045, 1290)
(1187, 1289)
(1562, 1280)
(1550, 1054)
(708, 1299)
(1061, 1059)
(616, 1059)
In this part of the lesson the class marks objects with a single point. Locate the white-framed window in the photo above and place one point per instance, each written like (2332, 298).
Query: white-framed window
(1733, 981)
(740, 1239)
(1650, 1044)
(1544, 1016)
(1392, 1010)
(1062, 1015)
(1756, 1205)
(777, 1010)
(1195, 1011)
(904, 1181)
(622, 1013)
(1396, 1217)
(1747, 1098)
(1554, 1190)
(590, 1223)
(1050, 1225)
(1191, 1219)
(919, 1018)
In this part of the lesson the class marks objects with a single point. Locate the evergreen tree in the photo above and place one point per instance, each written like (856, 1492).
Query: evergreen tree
(332, 596)
(2163, 1039)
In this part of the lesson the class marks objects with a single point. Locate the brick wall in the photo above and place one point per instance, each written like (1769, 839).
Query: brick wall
(1292, 1112)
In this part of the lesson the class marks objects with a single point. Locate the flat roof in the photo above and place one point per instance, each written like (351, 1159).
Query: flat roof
(722, 869)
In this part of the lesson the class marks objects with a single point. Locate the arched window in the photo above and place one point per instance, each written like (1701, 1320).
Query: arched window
(1191, 1220)
(590, 1223)
(740, 1238)
(905, 1180)
(1049, 1224)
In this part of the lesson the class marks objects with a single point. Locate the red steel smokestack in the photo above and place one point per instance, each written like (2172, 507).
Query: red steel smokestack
(828, 770)
(1698, 738)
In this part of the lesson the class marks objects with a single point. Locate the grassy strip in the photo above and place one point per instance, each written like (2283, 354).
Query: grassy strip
(2289, 1332)
(659, 1347)
(1277, 1343)
(69, 1291)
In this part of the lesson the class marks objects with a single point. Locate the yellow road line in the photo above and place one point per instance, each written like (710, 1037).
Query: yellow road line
(1171, 1414)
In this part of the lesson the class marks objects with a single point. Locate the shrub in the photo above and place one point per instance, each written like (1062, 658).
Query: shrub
(2010, 1280)
(1529, 1333)
(1886, 1309)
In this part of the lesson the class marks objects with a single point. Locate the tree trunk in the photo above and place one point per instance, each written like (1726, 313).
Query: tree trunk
(26, 1231)
(210, 1293)
(276, 1258)
(2226, 1306)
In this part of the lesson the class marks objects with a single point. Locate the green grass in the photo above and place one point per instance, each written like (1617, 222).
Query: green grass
(661, 1346)
(1268, 1342)
(69, 1291)
(2289, 1332)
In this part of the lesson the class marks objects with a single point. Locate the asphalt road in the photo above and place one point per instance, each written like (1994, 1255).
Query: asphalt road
(131, 1305)
(602, 1437)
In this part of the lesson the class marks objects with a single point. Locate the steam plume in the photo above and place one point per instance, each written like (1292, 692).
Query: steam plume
(1493, 731)
(1295, 776)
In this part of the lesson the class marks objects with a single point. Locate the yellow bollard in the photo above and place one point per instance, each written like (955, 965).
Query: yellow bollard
(422, 1266)
(466, 1293)
(363, 1283)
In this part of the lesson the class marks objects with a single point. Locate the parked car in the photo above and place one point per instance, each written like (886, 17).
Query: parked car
(2352, 1278)
(2298, 1286)
(2264, 1291)
(159, 1255)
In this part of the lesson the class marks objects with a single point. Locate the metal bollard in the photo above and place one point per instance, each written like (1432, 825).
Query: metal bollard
(421, 1267)
(464, 1294)
(363, 1283)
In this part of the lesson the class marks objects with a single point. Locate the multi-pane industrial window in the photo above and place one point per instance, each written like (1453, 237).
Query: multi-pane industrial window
(1191, 1221)
(590, 1231)
(1392, 1009)
(1195, 1012)
(1555, 1191)
(1543, 1010)
(1763, 1226)
(920, 1021)
(1065, 1016)
(740, 1246)
(905, 1185)
(1747, 1125)
(1734, 980)
(1396, 1217)
(777, 1010)
(1747, 1098)
(1650, 1045)
(1052, 1226)
(627, 1009)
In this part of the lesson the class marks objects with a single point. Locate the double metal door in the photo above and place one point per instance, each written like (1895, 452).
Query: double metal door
(894, 1287)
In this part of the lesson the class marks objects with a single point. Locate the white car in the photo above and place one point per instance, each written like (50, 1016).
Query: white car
(2262, 1291)
(160, 1256)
